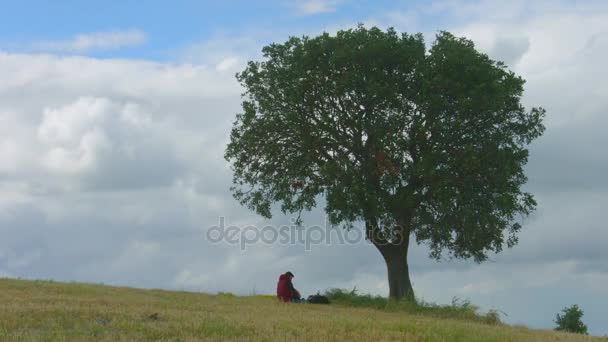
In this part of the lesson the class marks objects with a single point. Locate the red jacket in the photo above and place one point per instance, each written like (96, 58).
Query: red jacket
(285, 290)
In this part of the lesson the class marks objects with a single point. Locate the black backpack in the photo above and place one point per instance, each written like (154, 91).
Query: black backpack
(318, 299)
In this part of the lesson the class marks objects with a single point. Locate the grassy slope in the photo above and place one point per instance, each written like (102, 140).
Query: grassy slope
(39, 310)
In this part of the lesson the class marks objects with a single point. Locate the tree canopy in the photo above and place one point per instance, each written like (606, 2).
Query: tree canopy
(429, 143)
(571, 320)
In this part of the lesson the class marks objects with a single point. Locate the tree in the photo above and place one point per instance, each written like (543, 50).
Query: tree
(410, 142)
(571, 320)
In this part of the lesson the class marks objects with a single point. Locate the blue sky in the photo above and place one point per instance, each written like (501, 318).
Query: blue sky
(168, 28)
(114, 117)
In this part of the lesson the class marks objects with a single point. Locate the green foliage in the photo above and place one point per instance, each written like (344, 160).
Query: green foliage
(404, 139)
(352, 298)
(571, 321)
(458, 309)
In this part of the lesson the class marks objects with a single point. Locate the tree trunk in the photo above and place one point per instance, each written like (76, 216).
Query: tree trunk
(395, 256)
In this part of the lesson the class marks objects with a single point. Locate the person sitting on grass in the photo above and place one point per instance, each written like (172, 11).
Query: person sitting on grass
(285, 290)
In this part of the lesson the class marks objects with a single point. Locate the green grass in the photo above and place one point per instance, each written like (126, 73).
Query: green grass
(52, 311)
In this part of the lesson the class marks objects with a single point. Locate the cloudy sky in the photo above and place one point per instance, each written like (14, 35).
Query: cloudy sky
(114, 118)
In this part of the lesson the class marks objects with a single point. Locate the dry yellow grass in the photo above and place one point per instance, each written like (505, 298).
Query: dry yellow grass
(40, 310)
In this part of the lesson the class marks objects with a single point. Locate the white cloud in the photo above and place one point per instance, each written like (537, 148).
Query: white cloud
(74, 136)
(70, 123)
(9, 152)
(310, 7)
(225, 52)
(228, 63)
(67, 124)
(82, 157)
(96, 41)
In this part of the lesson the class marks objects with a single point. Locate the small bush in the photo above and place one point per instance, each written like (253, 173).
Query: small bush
(458, 309)
(571, 320)
(492, 317)
(352, 298)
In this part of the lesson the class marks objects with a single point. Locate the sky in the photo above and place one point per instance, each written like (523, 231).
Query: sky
(114, 116)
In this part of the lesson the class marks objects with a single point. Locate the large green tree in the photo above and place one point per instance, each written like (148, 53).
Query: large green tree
(420, 143)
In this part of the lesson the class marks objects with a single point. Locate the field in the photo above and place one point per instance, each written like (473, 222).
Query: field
(52, 311)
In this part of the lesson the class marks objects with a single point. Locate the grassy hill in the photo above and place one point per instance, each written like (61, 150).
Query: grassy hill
(41, 310)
